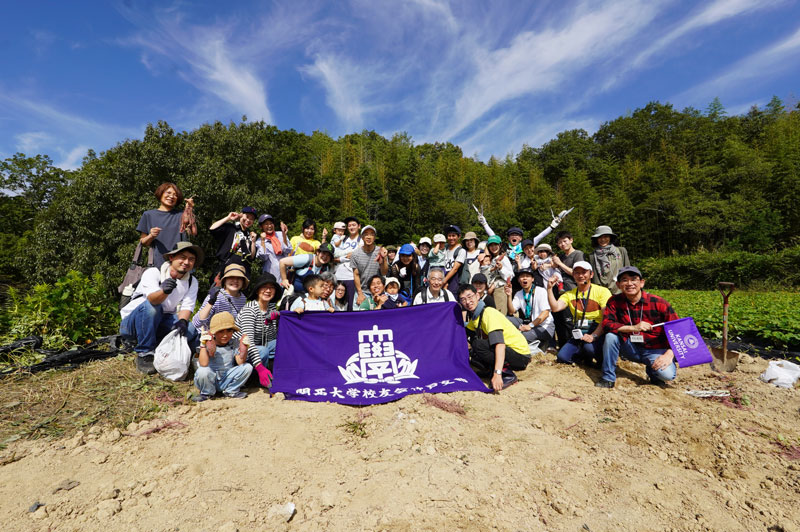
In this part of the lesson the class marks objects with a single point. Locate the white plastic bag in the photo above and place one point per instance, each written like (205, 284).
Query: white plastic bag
(781, 373)
(172, 357)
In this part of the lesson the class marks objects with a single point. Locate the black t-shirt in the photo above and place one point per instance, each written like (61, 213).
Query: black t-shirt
(231, 240)
(569, 260)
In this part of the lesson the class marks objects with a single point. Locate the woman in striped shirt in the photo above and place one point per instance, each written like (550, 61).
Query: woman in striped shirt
(229, 298)
(259, 321)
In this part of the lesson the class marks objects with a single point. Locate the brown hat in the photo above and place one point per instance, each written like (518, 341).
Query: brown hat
(222, 321)
(235, 270)
(470, 236)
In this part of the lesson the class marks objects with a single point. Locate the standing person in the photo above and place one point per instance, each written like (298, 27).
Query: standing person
(305, 265)
(435, 292)
(515, 233)
(423, 250)
(585, 304)
(407, 272)
(258, 320)
(471, 264)
(367, 261)
(236, 241)
(497, 347)
(343, 254)
(455, 257)
(163, 301)
(160, 228)
(529, 310)
(272, 245)
(607, 257)
(229, 298)
(498, 271)
(305, 243)
(628, 324)
(564, 261)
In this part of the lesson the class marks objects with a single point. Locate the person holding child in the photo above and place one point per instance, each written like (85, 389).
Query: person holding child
(377, 295)
(222, 364)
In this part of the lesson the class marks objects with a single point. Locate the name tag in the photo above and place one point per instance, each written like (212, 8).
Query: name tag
(582, 324)
(637, 339)
(577, 334)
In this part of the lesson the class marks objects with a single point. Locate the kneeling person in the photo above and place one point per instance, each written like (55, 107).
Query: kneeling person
(223, 367)
(497, 346)
(628, 323)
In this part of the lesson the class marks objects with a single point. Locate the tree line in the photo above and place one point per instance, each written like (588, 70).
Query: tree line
(667, 181)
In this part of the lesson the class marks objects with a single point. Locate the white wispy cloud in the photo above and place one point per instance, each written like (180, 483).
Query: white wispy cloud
(32, 141)
(345, 86)
(72, 159)
(740, 78)
(709, 15)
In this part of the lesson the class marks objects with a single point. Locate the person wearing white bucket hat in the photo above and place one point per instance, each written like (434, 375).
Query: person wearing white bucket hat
(607, 257)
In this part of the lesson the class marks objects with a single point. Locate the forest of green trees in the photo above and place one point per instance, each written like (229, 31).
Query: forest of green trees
(670, 182)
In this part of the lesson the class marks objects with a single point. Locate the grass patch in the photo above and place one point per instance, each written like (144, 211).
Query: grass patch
(58, 403)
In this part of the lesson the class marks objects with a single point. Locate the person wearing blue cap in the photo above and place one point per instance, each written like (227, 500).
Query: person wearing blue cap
(407, 272)
(236, 241)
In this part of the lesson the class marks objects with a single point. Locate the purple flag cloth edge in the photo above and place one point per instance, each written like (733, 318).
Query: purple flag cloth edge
(686, 343)
(372, 357)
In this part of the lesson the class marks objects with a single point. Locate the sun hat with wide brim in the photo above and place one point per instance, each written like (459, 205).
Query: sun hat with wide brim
(470, 236)
(235, 270)
(221, 321)
(604, 230)
(187, 246)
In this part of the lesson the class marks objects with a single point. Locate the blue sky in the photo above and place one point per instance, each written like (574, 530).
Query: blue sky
(488, 76)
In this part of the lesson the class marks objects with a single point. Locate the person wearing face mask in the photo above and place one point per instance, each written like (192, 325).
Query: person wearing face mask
(235, 239)
(607, 258)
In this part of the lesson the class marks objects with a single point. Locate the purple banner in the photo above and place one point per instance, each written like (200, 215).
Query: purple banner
(686, 343)
(374, 356)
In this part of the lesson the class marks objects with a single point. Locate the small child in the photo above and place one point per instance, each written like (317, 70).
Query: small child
(438, 256)
(393, 293)
(545, 265)
(222, 367)
(316, 287)
(338, 234)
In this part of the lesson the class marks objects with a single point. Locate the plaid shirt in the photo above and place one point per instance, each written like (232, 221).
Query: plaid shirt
(652, 309)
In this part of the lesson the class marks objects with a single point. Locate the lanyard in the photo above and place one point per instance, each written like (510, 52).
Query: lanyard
(528, 302)
(628, 309)
(584, 301)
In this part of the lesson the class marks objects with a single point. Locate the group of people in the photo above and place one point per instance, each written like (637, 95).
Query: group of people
(517, 296)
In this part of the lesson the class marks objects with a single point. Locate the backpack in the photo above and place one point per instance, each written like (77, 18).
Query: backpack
(287, 302)
(424, 294)
(464, 276)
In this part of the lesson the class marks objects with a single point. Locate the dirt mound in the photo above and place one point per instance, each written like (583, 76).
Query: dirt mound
(551, 453)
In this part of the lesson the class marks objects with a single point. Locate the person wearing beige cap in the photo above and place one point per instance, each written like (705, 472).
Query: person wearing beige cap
(472, 265)
(229, 298)
(607, 257)
(222, 366)
(545, 264)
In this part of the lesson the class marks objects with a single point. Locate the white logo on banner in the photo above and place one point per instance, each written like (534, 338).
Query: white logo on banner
(691, 341)
(377, 360)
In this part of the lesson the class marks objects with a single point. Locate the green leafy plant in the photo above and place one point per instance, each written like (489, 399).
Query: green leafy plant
(74, 310)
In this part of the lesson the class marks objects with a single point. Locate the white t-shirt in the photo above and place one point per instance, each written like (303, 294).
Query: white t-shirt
(345, 272)
(309, 304)
(431, 299)
(538, 303)
(451, 257)
(182, 298)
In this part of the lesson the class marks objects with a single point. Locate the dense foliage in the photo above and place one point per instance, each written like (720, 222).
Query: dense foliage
(768, 318)
(669, 182)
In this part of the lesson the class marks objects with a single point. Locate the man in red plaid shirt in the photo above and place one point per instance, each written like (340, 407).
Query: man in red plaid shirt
(628, 323)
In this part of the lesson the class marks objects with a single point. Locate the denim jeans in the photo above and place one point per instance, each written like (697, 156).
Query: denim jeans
(615, 347)
(578, 348)
(228, 382)
(147, 325)
(267, 351)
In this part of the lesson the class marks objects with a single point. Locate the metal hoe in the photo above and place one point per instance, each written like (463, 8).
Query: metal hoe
(729, 361)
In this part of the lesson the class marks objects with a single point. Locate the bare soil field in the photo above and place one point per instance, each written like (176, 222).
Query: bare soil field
(550, 453)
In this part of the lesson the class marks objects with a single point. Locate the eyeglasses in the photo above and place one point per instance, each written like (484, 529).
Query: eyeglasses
(470, 297)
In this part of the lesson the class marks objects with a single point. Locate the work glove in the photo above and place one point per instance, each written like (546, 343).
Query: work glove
(182, 326)
(169, 285)
(481, 219)
(212, 295)
(264, 375)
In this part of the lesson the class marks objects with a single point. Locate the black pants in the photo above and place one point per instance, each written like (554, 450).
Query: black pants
(483, 358)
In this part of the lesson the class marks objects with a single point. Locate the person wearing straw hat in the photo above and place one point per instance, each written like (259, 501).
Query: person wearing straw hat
(629, 329)
(472, 265)
(229, 298)
(221, 366)
(607, 257)
(163, 301)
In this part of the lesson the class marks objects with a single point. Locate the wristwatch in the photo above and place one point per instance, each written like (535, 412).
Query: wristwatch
(498, 372)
